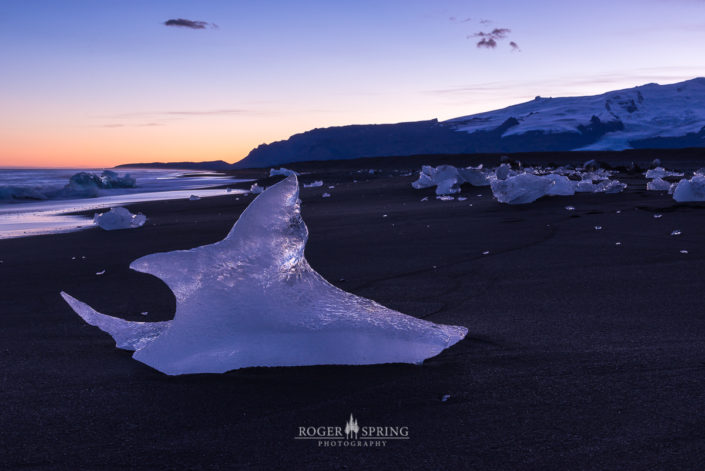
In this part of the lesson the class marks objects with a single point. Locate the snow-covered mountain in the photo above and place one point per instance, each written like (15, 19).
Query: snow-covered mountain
(649, 116)
(638, 116)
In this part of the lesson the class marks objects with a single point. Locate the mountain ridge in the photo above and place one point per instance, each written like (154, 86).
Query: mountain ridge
(645, 116)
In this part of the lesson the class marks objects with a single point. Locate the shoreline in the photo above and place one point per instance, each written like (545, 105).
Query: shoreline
(581, 353)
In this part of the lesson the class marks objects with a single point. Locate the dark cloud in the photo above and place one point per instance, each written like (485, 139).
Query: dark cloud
(490, 39)
(182, 23)
(485, 22)
(458, 20)
(489, 43)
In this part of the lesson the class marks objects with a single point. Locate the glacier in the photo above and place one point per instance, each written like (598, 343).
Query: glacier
(252, 299)
(119, 218)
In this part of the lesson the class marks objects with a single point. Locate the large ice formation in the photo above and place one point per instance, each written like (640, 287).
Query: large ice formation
(119, 218)
(690, 190)
(253, 300)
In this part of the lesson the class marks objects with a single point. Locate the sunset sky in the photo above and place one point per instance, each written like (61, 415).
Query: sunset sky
(102, 82)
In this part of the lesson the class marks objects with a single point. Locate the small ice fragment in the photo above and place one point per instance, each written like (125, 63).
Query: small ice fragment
(100, 272)
(144, 313)
(384, 215)
(325, 195)
(658, 216)
(330, 187)
(73, 258)
(684, 251)
(284, 172)
(658, 184)
(617, 243)
(445, 397)
(315, 184)
(676, 232)
(479, 196)
(570, 208)
(83, 257)
(461, 198)
(194, 198)
(619, 211)
(255, 189)
(119, 218)
(598, 228)
(425, 198)
(371, 171)
(486, 252)
(660, 172)
(445, 198)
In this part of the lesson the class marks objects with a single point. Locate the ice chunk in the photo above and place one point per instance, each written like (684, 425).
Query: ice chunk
(253, 300)
(502, 172)
(658, 184)
(255, 189)
(476, 176)
(604, 186)
(613, 186)
(325, 195)
(194, 198)
(676, 232)
(447, 178)
(119, 218)
(690, 190)
(284, 172)
(660, 172)
(102, 272)
(315, 184)
(520, 189)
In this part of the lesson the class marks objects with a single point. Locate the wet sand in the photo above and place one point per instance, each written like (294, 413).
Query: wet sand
(581, 354)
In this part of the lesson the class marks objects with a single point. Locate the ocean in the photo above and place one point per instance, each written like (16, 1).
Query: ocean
(35, 201)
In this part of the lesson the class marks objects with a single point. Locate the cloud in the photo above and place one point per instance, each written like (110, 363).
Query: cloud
(487, 43)
(182, 23)
(490, 39)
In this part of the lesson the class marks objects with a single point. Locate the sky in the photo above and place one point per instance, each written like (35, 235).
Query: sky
(99, 83)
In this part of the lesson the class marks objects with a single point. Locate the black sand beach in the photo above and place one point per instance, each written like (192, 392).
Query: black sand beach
(581, 354)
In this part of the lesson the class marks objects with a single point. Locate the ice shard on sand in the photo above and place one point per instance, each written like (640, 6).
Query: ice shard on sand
(253, 300)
